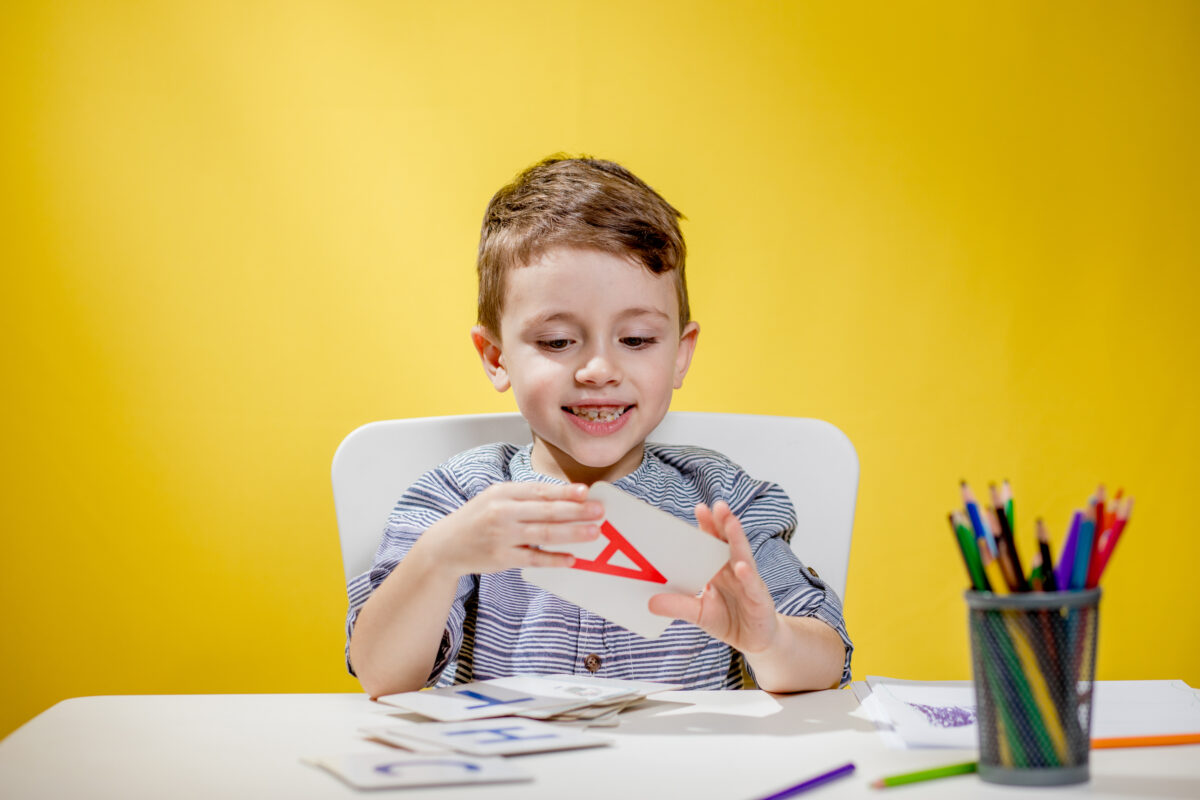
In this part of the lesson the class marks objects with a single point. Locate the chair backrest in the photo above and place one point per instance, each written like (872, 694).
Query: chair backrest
(812, 460)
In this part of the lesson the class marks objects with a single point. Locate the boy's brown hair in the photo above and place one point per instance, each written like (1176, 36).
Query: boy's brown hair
(580, 202)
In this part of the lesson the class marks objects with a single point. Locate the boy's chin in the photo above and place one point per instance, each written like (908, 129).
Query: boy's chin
(606, 461)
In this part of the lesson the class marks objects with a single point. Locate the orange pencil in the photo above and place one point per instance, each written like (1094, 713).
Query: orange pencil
(1145, 741)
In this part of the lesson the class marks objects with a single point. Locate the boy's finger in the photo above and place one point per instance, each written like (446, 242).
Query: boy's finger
(558, 511)
(676, 606)
(549, 491)
(543, 535)
(545, 558)
(739, 544)
(704, 518)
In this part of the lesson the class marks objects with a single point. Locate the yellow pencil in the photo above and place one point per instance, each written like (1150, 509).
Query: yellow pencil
(991, 568)
(1038, 687)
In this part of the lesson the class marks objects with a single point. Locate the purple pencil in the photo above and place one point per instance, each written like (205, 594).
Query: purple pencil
(1066, 562)
(812, 783)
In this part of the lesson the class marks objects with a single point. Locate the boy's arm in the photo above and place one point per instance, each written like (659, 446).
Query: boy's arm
(805, 654)
(396, 636)
(787, 654)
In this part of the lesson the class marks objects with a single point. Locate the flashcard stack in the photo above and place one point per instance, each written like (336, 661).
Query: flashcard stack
(479, 723)
(542, 697)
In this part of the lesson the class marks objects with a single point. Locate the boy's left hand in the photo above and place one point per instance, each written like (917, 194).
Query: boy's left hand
(735, 606)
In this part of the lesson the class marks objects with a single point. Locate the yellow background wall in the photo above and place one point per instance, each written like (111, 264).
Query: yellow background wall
(963, 232)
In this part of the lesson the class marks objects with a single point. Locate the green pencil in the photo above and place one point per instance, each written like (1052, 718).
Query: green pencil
(926, 775)
(970, 550)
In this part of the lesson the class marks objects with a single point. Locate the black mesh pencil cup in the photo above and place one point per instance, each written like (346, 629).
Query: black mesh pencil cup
(1034, 661)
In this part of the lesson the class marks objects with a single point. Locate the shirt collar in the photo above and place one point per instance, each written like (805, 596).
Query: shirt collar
(520, 469)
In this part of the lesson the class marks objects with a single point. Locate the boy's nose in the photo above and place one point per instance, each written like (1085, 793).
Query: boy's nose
(598, 369)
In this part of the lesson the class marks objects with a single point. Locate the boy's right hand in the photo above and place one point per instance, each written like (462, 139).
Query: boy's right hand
(505, 525)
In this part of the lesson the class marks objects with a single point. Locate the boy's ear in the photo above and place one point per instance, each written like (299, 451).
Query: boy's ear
(687, 347)
(490, 353)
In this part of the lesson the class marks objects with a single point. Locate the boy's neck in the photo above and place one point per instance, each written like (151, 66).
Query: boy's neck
(549, 460)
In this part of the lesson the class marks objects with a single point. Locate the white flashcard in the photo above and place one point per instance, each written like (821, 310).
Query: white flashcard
(642, 551)
(571, 693)
(507, 736)
(389, 735)
(385, 770)
(475, 700)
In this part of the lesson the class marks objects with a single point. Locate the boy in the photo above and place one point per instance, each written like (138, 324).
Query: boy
(583, 313)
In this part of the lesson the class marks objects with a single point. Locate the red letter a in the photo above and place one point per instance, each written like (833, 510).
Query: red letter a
(617, 542)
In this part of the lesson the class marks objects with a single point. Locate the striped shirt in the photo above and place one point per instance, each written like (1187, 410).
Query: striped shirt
(500, 625)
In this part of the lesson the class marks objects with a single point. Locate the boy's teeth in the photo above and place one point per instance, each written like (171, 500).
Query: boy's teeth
(598, 414)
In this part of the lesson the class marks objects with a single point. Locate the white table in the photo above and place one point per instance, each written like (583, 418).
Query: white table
(235, 746)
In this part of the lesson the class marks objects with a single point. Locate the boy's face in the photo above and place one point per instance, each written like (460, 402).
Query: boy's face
(591, 346)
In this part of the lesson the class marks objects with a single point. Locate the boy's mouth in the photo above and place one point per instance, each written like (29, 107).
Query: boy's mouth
(597, 413)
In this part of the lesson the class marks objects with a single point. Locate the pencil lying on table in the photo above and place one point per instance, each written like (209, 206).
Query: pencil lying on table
(1110, 742)
(926, 775)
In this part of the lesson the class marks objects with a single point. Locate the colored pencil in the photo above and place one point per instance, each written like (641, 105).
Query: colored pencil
(1107, 743)
(994, 494)
(1066, 561)
(981, 528)
(970, 552)
(1037, 578)
(926, 775)
(1049, 579)
(1119, 524)
(1003, 551)
(1103, 517)
(1027, 737)
(1006, 495)
(1038, 687)
(1162, 740)
(1083, 549)
(812, 783)
(1009, 543)
(991, 569)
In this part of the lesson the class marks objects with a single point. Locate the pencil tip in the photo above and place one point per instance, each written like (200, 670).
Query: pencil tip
(876, 784)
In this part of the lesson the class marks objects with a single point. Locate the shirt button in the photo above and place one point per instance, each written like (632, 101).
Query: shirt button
(592, 662)
(813, 572)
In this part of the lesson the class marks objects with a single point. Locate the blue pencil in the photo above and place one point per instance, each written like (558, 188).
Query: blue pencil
(982, 531)
(1083, 551)
(812, 783)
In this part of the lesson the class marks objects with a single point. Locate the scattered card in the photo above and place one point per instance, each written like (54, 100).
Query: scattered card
(508, 736)
(642, 551)
(405, 770)
(387, 734)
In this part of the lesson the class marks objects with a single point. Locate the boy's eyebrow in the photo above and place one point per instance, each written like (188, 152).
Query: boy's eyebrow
(567, 316)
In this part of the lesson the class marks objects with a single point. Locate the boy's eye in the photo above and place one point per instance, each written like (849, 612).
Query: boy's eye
(638, 342)
(554, 344)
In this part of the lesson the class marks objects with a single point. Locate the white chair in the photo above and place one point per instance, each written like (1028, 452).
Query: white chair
(811, 459)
